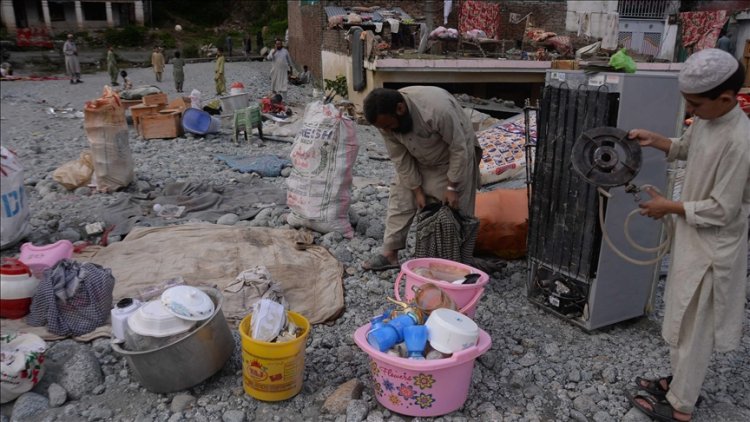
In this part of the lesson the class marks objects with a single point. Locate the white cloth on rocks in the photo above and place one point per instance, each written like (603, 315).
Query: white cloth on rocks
(705, 70)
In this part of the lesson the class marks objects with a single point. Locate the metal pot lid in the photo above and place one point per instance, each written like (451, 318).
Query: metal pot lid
(188, 302)
(153, 319)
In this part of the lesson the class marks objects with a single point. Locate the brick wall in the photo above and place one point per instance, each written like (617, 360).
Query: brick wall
(306, 35)
(549, 15)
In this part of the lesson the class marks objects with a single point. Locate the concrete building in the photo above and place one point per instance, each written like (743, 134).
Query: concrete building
(72, 15)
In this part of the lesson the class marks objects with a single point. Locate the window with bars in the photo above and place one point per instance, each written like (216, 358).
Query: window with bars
(642, 9)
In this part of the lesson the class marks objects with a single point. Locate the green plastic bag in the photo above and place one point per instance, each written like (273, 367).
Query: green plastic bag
(621, 61)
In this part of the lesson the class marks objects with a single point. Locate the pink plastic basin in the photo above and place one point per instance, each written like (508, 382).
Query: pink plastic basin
(466, 296)
(39, 258)
(421, 387)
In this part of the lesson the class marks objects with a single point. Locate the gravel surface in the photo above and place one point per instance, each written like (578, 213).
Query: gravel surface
(540, 368)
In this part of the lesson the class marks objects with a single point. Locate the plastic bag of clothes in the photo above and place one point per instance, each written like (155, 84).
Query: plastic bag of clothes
(73, 298)
(21, 364)
(107, 131)
(75, 173)
(14, 223)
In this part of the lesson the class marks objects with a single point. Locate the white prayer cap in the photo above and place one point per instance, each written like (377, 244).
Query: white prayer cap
(705, 70)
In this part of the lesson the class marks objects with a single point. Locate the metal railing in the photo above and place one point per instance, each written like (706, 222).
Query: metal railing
(642, 9)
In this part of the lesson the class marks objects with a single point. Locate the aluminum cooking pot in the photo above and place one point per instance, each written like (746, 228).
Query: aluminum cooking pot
(187, 361)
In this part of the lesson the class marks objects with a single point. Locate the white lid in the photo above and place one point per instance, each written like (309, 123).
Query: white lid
(153, 319)
(451, 331)
(188, 302)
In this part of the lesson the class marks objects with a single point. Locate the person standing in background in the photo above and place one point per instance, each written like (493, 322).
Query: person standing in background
(72, 66)
(280, 68)
(157, 61)
(246, 44)
(228, 45)
(221, 83)
(725, 43)
(178, 74)
(112, 66)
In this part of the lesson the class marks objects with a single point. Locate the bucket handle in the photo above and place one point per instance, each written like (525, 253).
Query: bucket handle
(397, 286)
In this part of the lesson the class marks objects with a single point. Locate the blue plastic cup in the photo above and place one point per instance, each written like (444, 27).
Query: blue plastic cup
(415, 337)
(390, 333)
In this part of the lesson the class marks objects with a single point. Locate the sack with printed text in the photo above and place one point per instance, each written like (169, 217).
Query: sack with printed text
(319, 187)
(107, 131)
(14, 224)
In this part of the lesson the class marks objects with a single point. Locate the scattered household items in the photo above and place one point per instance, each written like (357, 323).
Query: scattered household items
(266, 165)
(232, 102)
(442, 273)
(451, 331)
(157, 118)
(119, 315)
(188, 303)
(21, 363)
(213, 107)
(503, 152)
(270, 319)
(274, 371)
(73, 298)
(189, 357)
(14, 224)
(75, 173)
(422, 388)
(152, 326)
(107, 132)
(323, 155)
(243, 122)
(390, 332)
(573, 273)
(200, 122)
(444, 232)
(273, 105)
(311, 279)
(17, 286)
(503, 222)
(195, 99)
(236, 88)
(39, 258)
(139, 92)
(252, 285)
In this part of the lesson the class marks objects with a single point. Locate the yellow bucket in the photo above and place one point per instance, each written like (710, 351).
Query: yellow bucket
(273, 371)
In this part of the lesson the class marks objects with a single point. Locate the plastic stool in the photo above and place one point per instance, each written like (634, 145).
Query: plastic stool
(244, 120)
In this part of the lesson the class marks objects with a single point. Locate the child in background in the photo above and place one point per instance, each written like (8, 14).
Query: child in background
(178, 65)
(126, 84)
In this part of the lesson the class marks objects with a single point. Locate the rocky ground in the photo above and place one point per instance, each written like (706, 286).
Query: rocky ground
(540, 368)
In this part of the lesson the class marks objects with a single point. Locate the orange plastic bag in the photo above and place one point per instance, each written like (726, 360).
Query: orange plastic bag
(503, 222)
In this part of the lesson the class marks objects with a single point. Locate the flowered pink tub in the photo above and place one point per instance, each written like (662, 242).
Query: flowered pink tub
(421, 387)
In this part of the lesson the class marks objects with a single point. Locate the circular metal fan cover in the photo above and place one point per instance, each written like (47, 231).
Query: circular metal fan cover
(604, 156)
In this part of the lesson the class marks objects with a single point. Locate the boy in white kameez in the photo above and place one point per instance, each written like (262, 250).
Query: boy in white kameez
(705, 289)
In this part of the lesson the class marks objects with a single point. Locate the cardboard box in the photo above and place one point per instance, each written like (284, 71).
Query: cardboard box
(565, 64)
(155, 99)
(161, 125)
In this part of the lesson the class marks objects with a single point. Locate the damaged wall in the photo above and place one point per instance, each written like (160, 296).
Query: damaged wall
(549, 15)
(305, 35)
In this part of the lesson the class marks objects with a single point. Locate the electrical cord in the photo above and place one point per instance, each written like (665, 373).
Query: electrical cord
(661, 250)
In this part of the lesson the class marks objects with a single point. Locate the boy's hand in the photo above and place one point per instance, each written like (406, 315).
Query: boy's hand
(657, 207)
(644, 137)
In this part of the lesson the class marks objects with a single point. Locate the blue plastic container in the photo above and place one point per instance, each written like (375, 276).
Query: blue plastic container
(389, 333)
(199, 122)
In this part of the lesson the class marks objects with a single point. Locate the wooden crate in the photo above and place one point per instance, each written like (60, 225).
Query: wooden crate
(130, 103)
(161, 125)
(138, 111)
(565, 64)
(155, 99)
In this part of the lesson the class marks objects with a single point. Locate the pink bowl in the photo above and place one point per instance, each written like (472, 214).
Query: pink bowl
(466, 296)
(39, 258)
(421, 387)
